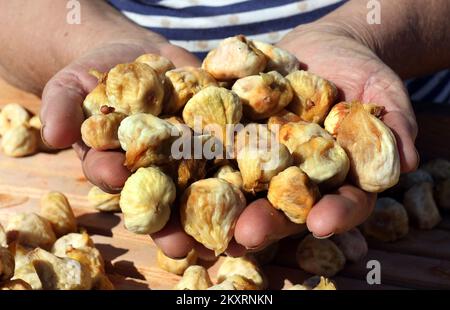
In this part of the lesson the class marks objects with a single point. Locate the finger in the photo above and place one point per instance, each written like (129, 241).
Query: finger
(405, 134)
(386, 89)
(172, 239)
(260, 224)
(61, 112)
(340, 212)
(106, 170)
(179, 56)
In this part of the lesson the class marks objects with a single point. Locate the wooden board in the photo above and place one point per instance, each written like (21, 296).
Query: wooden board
(421, 260)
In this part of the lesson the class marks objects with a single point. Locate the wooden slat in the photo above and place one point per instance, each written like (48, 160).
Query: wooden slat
(127, 283)
(429, 243)
(405, 270)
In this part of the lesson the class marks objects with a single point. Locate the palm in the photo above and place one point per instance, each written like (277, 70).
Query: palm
(359, 75)
(65, 92)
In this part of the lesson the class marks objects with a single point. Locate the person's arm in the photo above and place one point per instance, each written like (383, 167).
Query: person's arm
(38, 41)
(413, 37)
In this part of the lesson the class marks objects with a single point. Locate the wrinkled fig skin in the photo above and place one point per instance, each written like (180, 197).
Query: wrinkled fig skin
(292, 192)
(60, 273)
(100, 131)
(279, 59)
(442, 194)
(146, 199)
(24, 269)
(353, 244)
(20, 141)
(71, 241)
(244, 267)
(158, 63)
(134, 88)
(103, 201)
(258, 166)
(12, 115)
(281, 118)
(178, 265)
(182, 84)
(229, 174)
(213, 106)
(421, 207)
(388, 221)
(234, 58)
(371, 148)
(194, 278)
(320, 256)
(209, 211)
(339, 111)
(263, 95)
(316, 152)
(147, 140)
(95, 100)
(324, 161)
(57, 210)
(91, 258)
(31, 230)
(313, 96)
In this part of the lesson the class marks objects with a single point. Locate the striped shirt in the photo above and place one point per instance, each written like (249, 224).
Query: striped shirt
(199, 25)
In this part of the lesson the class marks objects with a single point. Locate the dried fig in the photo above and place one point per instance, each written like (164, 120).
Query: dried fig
(57, 210)
(100, 131)
(209, 211)
(234, 58)
(371, 148)
(211, 110)
(320, 256)
(146, 139)
(194, 278)
(263, 95)
(313, 96)
(183, 83)
(421, 207)
(134, 88)
(278, 59)
(292, 192)
(245, 267)
(176, 265)
(146, 199)
(388, 221)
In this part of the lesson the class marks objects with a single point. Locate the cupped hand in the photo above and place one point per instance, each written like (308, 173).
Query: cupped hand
(62, 99)
(359, 75)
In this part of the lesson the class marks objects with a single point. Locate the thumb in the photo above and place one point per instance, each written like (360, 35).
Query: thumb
(61, 112)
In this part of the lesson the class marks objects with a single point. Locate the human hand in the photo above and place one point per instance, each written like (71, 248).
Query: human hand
(359, 75)
(62, 99)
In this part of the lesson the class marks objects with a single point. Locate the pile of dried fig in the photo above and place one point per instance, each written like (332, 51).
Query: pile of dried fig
(46, 251)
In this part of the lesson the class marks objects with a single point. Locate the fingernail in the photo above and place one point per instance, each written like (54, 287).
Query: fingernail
(43, 139)
(323, 237)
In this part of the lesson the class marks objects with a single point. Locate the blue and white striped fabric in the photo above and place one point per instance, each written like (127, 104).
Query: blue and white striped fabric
(199, 25)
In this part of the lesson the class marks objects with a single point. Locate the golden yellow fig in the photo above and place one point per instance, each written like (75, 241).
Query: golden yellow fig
(209, 211)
